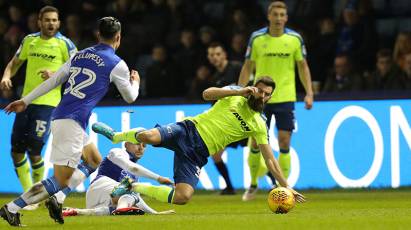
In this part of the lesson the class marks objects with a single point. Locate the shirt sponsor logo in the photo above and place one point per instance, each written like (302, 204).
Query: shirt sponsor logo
(280, 55)
(44, 56)
(244, 125)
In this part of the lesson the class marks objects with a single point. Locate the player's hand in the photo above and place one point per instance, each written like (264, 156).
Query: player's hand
(247, 91)
(300, 198)
(134, 76)
(45, 74)
(164, 180)
(6, 84)
(167, 212)
(16, 106)
(308, 100)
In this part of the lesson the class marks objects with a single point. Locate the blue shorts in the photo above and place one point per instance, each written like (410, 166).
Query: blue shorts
(190, 151)
(283, 113)
(31, 129)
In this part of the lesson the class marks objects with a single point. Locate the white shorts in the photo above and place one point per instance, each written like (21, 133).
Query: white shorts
(69, 139)
(98, 194)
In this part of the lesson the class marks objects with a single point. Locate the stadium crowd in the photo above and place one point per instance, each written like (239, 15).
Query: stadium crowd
(352, 45)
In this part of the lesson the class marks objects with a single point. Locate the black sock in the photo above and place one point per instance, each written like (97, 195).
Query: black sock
(271, 177)
(222, 169)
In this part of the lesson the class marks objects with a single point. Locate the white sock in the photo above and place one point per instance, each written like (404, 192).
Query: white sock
(126, 201)
(143, 206)
(77, 178)
(12, 207)
(60, 197)
(100, 211)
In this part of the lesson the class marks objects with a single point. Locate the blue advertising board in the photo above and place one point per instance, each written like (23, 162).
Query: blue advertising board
(336, 144)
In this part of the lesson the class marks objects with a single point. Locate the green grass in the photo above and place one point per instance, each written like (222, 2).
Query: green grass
(335, 209)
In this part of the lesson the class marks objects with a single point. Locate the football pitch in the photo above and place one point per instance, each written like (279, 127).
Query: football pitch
(333, 209)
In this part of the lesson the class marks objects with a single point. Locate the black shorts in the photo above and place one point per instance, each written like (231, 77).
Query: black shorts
(283, 113)
(31, 129)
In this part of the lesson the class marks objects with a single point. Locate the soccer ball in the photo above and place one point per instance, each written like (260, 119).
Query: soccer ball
(281, 200)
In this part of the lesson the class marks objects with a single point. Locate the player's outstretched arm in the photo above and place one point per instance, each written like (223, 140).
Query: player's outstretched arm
(245, 73)
(275, 169)
(215, 93)
(16, 106)
(118, 157)
(58, 78)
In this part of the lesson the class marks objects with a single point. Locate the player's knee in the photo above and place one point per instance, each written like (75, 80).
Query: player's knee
(181, 197)
(35, 159)
(18, 146)
(217, 158)
(34, 148)
(147, 136)
(91, 155)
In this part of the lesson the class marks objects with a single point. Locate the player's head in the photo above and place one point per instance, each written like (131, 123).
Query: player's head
(136, 149)
(266, 88)
(216, 54)
(109, 31)
(48, 21)
(277, 14)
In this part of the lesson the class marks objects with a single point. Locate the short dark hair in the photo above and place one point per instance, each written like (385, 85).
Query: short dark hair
(108, 27)
(268, 81)
(217, 44)
(384, 53)
(47, 9)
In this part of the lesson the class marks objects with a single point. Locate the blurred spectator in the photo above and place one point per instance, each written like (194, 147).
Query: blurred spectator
(73, 30)
(206, 36)
(407, 70)
(238, 22)
(16, 17)
(32, 25)
(161, 76)
(356, 37)
(227, 72)
(238, 47)
(387, 75)
(202, 81)
(402, 46)
(187, 57)
(322, 50)
(343, 78)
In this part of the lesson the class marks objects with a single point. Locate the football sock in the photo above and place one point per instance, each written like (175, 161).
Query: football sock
(127, 200)
(23, 173)
(272, 178)
(100, 211)
(222, 169)
(128, 136)
(285, 162)
(82, 171)
(161, 193)
(38, 171)
(254, 164)
(35, 194)
(143, 206)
